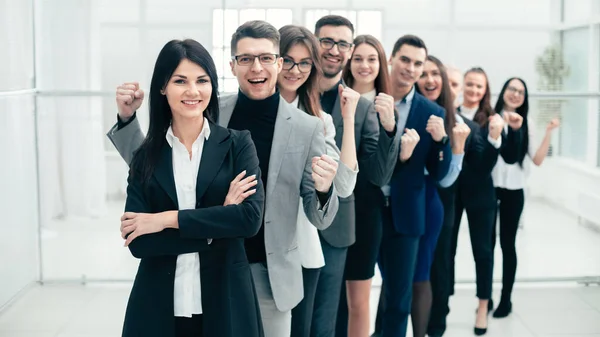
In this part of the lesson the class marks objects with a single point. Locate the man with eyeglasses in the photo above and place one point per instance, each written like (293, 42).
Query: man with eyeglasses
(291, 150)
(376, 146)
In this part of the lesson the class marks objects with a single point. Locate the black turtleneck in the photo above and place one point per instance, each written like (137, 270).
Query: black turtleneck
(258, 117)
(329, 97)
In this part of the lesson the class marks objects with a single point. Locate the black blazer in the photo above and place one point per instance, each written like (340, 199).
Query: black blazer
(475, 186)
(229, 303)
(375, 152)
(408, 181)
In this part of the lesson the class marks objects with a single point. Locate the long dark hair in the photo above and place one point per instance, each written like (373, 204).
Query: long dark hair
(523, 110)
(382, 82)
(160, 112)
(308, 93)
(485, 107)
(445, 98)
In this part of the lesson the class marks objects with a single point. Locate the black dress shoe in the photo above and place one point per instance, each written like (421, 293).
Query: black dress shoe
(503, 310)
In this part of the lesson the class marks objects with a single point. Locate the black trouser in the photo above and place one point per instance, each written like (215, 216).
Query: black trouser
(327, 298)
(481, 228)
(398, 257)
(188, 327)
(302, 314)
(510, 208)
(440, 286)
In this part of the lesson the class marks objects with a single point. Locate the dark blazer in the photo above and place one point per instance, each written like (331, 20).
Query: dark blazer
(408, 181)
(229, 303)
(375, 151)
(475, 186)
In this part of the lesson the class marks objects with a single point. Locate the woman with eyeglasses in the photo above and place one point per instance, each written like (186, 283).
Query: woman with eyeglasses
(298, 85)
(475, 191)
(510, 179)
(366, 72)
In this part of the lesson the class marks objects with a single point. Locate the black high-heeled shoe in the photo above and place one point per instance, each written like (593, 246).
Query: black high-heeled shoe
(504, 309)
(479, 331)
(482, 331)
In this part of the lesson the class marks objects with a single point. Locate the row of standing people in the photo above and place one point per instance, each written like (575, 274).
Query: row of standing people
(288, 262)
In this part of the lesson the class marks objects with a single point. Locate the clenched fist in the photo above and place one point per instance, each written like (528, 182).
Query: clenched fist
(460, 132)
(323, 171)
(348, 102)
(513, 119)
(409, 141)
(129, 99)
(554, 123)
(496, 125)
(384, 105)
(435, 127)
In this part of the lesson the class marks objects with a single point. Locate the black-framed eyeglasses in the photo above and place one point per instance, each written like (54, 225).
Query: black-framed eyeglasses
(327, 43)
(248, 59)
(514, 90)
(303, 66)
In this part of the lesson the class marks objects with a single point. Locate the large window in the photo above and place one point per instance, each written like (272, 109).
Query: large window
(225, 22)
(365, 22)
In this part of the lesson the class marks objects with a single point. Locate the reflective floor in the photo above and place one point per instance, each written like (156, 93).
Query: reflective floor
(552, 247)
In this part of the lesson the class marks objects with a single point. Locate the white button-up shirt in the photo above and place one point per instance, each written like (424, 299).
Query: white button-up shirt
(186, 293)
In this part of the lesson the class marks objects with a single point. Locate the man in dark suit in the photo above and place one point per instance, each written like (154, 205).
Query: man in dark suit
(404, 210)
(376, 147)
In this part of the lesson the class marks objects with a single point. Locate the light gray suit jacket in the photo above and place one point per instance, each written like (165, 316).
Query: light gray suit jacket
(297, 138)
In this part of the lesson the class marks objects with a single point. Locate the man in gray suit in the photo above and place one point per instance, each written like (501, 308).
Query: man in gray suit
(290, 146)
(377, 146)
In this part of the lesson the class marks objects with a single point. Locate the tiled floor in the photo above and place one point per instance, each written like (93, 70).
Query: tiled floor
(97, 311)
(551, 245)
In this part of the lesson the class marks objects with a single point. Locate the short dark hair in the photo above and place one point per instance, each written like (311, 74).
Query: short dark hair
(411, 40)
(256, 29)
(333, 20)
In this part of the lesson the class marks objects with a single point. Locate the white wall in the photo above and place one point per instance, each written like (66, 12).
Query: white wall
(499, 36)
(18, 193)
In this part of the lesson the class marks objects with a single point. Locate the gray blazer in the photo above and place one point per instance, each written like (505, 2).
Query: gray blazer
(376, 153)
(297, 138)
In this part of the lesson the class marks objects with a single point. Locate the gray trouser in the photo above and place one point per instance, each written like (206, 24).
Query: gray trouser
(275, 322)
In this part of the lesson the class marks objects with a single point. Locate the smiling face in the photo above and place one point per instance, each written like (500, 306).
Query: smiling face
(514, 95)
(364, 64)
(259, 68)
(188, 91)
(297, 66)
(475, 87)
(407, 65)
(333, 60)
(430, 83)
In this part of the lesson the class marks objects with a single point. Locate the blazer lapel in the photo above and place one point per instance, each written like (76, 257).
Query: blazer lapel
(214, 151)
(281, 137)
(336, 113)
(164, 172)
(412, 113)
(226, 106)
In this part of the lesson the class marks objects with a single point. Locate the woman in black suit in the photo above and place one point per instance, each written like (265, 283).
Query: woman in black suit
(475, 189)
(188, 209)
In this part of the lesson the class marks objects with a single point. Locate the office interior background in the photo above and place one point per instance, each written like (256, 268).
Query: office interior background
(63, 183)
